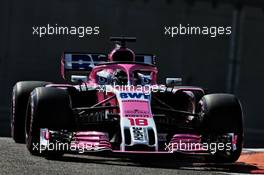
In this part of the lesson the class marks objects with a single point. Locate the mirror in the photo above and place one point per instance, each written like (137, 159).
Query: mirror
(171, 82)
(78, 78)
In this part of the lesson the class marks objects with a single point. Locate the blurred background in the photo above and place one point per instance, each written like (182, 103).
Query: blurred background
(232, 63)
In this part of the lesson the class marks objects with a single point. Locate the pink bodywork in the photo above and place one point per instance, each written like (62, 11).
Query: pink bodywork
(91, 141)
(99, 141)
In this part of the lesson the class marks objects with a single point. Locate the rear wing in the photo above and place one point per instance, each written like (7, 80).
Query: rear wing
(77, 66)
(146, 58)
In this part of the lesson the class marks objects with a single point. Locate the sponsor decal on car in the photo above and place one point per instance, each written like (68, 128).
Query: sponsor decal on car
(134, 95)
(139, 134)
(137, 113)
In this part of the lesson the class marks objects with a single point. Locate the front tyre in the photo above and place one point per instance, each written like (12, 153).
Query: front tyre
(21, 92)
(223, 118)
(50, 108)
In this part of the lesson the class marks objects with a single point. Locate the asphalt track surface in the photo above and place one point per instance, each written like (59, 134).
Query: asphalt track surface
(15, 159)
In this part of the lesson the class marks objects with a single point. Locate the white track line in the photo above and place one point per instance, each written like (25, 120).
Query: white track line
(253, 150)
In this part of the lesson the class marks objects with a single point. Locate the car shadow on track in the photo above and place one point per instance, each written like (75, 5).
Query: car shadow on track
(181, 163)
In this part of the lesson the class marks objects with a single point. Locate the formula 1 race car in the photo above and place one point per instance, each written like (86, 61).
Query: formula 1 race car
(114, 104)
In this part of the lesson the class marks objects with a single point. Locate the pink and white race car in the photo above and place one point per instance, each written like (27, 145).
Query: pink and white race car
(114, 104)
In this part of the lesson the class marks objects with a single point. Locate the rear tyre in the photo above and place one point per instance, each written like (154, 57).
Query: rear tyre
(48, 108)
(223, 115)
(21, 92)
